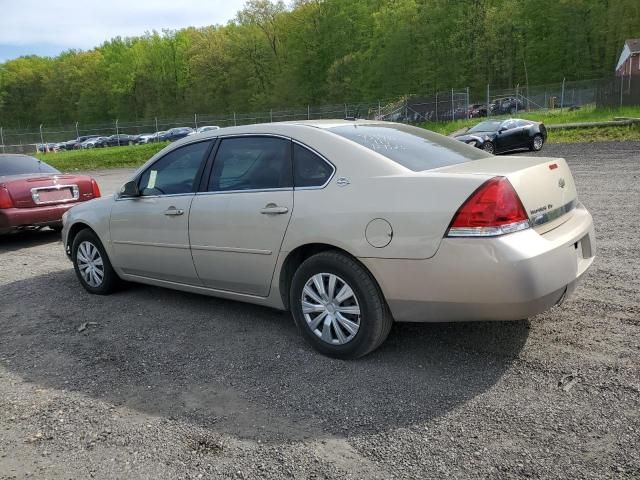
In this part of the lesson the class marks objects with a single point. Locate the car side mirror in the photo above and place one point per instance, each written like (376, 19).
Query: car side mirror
(130, 190)
(502, 129)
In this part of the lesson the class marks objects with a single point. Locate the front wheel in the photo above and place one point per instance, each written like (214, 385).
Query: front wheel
(536, 143)
(489, 147)
(338, 307)
(91, 264)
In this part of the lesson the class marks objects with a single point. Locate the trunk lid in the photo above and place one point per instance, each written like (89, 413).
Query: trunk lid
(545, 185)
(35, 190)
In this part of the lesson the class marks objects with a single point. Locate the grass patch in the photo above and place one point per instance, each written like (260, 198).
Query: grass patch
(551, 117)
(598, 134)
(98, 158)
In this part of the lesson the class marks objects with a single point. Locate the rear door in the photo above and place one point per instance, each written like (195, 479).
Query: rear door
(150, 233)
(237, 225)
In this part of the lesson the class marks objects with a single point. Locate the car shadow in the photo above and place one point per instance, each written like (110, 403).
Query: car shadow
(238, 368)
(27, 238)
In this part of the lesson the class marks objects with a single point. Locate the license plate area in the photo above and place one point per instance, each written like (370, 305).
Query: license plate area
(56, 194)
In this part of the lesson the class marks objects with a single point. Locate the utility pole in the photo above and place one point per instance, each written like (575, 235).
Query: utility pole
(77, 133)
(453, 108)
(308, 112)
(41, 139)
(562, 96)
(156, 136)
(117, 134)
(235, 123)
(2, 139)
(195, 120)
(488, 102)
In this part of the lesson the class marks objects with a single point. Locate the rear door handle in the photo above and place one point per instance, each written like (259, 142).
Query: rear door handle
(273, 209)
(173, 211)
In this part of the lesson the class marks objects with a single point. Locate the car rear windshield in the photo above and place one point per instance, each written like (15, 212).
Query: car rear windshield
(23, 164)
(414, 148)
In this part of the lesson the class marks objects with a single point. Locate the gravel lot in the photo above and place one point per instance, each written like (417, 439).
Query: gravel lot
(173, 385)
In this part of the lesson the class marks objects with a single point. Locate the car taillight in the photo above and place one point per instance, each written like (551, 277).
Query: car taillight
(493, 209)
(5, 199)
(95, 188)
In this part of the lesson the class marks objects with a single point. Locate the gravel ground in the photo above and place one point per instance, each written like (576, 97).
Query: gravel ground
(172, 385)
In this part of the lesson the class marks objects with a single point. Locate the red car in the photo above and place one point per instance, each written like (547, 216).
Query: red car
(34, 194)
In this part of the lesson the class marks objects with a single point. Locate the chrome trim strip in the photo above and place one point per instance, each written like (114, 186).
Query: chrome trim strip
(35, 192)
(288, 189)
(545, 217)
(150, 244)
(118, 199)
(231, 250)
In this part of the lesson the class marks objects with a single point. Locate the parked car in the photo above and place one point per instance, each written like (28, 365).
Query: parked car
(95, 142)
(499, 136)
(206, 128)
(120, 139)
(35, 195)
(174, 134)
(150, 137)
(299, 216)
(477, 110)
(505, 105)
(75, 144)
(47, 147)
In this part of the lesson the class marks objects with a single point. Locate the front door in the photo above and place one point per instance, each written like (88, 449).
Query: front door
(150, 233)
(237, 226)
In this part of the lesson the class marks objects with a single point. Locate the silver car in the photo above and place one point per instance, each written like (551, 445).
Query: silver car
(350, 225)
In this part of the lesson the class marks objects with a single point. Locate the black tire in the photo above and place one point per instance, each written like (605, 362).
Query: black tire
(375, 318)
(537, 142)
(489, 147)
(110, 279)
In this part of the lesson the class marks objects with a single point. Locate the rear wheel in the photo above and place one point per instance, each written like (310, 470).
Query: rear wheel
(91, 264)
(536, 143)
(338, 306)
(489, 147)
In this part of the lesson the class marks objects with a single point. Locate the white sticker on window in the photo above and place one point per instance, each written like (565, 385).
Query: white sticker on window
(152, 179)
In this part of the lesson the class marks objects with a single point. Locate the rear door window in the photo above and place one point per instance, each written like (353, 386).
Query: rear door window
(414, 148)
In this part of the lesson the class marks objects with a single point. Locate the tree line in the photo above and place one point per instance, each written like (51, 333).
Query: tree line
(274, 55)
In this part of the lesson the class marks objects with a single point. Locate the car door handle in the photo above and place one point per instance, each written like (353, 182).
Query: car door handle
(273, 209)
(173, 211)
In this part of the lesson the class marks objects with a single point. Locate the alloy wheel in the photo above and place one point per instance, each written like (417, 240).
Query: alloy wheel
(537, 142)
(330, 308)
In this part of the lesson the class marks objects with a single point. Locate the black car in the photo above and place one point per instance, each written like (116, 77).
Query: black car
(508, 105)
(75, 143)
(121, 139)
(175, 134)
(498, 136)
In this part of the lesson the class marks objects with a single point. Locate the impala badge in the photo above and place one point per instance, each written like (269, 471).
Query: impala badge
(561, 183)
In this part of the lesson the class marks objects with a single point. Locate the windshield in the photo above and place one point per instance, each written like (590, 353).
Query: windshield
(414, 148)
(487, 126)
(23, 164)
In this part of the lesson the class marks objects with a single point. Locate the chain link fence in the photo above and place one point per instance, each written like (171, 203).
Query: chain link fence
(442, 106)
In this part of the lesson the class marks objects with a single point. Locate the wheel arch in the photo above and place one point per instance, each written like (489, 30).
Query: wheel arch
(298, 255)
(74, 230)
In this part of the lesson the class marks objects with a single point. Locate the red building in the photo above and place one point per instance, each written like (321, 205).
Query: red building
(629, 62)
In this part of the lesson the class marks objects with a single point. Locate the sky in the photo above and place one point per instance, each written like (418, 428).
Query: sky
(29, 27)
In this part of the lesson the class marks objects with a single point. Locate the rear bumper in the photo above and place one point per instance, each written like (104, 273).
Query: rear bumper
(17, 218)
(510, 277)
